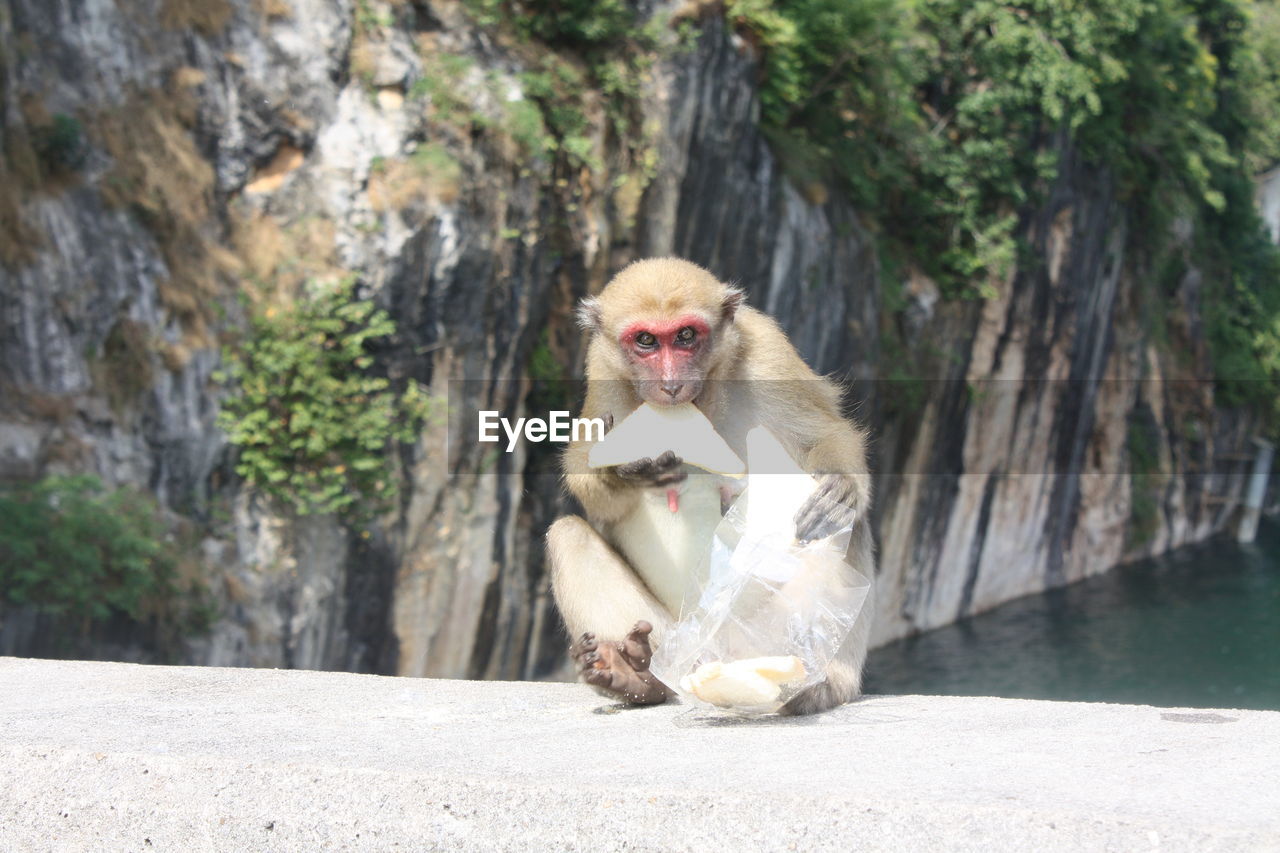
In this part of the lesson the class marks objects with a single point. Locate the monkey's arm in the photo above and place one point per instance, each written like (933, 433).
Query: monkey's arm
(610, 494)
(804, 409)
(839, 462)
(605, 497)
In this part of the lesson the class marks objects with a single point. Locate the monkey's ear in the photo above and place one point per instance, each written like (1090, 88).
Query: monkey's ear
(733, 298)
(588, 314)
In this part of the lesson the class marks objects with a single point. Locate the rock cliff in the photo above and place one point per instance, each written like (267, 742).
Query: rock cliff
(227, 151)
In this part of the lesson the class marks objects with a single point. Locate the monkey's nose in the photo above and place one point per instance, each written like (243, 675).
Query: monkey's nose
(673, 389)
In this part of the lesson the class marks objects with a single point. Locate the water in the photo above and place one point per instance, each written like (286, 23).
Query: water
(1197, 628)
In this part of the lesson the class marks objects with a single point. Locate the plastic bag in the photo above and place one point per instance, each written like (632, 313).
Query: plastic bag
(767, 598)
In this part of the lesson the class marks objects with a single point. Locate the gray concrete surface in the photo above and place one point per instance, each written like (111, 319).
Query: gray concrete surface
(97, 756)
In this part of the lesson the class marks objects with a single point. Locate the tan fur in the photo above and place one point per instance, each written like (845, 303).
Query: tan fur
(753, 376)
(607, 598)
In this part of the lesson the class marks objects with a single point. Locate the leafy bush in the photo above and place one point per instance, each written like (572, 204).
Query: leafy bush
(1242, 307)
(581, 24)
(443, 83)
(73, 548)
(315, 427)
(588, 27)
(61, 144)
(589, 46)
(556, 89)
(945, 119)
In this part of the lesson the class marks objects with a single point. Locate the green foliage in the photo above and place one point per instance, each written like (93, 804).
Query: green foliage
(585, 25)
(551, 389)
(524, 123)
(1146, 481)
(486, 13)
(443, 75)
(543, 364)
(942, 115)
(1241, 264)
(73, 548)
(1144, 454)
(557, 89)
(1144, 513)
(938, 115)
(1242, 310)
(449, 86)
(368, 18)
(60, 145)
(590, 46)
(433, 161)
(315, 427)
(946, 118)
(1254, 72)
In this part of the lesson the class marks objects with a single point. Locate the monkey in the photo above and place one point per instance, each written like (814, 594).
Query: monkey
(667, 332)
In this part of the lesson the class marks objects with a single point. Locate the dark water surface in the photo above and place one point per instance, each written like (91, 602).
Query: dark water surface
(1199, 627)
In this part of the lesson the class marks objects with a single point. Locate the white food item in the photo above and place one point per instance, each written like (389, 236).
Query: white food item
(730, 689)
(747, 683)
(782, 669)
(650, 431)
(776, 487)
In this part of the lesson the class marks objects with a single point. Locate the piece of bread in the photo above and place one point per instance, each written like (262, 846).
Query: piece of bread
(747, 683)
(650, 431)
(782, 669)
(727, 688)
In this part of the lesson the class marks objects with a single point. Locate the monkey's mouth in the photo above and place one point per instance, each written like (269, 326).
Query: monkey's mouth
(667, 393)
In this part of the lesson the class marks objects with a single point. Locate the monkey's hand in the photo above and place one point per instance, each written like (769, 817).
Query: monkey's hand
(839, 501)
(666, 470)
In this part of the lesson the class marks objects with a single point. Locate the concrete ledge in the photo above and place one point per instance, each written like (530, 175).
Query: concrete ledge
(122, 757)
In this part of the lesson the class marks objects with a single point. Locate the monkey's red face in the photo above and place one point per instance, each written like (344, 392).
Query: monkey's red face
(667, 358)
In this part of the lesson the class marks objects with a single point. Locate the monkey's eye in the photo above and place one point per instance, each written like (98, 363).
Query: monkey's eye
(646, 340)
(686, 335)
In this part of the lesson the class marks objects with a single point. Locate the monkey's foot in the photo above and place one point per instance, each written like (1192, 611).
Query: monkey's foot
(621, 668)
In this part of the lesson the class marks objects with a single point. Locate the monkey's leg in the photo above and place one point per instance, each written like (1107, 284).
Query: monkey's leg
(843, 681)
(844, 674)
(607, 607)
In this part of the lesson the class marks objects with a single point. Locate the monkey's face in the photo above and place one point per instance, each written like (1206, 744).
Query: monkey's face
(667, 358)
